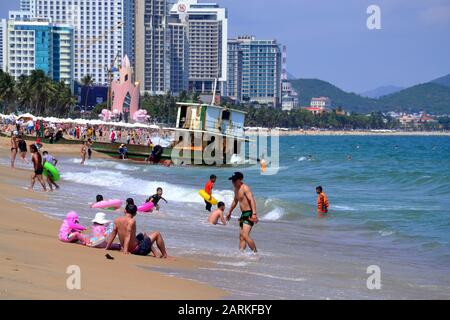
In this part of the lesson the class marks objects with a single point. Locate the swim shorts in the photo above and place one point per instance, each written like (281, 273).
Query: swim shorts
(144, 246)
(38, 171)
(245, 218)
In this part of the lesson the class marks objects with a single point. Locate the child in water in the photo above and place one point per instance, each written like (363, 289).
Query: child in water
(218, 214)
(156, 197)
(322, 202)
(70, 230)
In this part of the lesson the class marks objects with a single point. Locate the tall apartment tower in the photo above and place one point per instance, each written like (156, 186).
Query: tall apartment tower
(207, 33)
(260, 69)
(40, 45)
(179, 56)
(234, 82)
(152, 47)
(100, 32)
(3, 43)
(28, 5)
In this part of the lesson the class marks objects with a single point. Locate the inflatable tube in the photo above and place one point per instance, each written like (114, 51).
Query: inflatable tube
(93, 239)
(108, 204)
(48, 167)
(206, 196)
(146, 207)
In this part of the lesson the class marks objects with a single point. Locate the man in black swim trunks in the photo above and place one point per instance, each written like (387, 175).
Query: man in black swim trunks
(244, 196)
(141, 244)
(38, 168)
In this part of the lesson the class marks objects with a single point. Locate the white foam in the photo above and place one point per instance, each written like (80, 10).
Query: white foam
(258, 274)
(275, 214)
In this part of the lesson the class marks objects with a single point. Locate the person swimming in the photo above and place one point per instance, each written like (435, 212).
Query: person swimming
(156, 198)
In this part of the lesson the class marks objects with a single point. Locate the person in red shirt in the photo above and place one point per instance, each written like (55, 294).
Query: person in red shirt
(208, 188)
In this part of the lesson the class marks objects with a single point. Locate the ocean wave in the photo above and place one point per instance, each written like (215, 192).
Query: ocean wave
(274, 215)
(119, 181)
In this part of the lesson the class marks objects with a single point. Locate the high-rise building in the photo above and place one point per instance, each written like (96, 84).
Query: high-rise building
(207, 33)
(129, 11)
(28, 5)
(3, 42)
(152, 50)
(179, 56)
(99, 32)
(260, 71)
(40, 45)
(234, 82)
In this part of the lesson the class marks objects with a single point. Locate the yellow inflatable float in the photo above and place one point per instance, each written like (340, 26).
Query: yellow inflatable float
(206, 196)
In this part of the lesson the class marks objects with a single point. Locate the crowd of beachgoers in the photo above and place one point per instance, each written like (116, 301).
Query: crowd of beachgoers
(83, 132)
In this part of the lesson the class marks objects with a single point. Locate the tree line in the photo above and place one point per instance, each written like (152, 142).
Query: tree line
(41, 96)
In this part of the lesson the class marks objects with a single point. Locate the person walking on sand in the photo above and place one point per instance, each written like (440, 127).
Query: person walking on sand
(23, 149)
(208, 189)
(38, 168)
(14, 148)
(141, 244)
(50, 159)
(322, 203)
(244, 196)
(83, 152)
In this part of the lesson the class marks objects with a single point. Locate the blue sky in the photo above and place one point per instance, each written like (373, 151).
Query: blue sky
(329, 40)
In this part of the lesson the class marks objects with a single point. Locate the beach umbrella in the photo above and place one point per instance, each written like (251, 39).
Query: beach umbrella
(27, 116)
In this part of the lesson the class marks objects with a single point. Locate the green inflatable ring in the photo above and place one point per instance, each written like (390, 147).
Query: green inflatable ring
(48, 167)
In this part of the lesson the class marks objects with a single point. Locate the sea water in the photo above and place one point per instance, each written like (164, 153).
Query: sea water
(390, 207)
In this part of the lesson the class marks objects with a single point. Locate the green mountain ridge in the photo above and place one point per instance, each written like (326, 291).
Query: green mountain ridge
(432, 97)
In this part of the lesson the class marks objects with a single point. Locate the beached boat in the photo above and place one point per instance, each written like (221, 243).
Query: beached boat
(204, 134)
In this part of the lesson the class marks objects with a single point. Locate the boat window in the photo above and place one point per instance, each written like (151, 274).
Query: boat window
(183, 114)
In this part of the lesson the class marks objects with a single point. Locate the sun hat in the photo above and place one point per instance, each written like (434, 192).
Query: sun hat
(100, 218)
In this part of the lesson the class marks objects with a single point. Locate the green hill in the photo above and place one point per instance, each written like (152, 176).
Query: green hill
(445, 80)
(432, 97)
(309, 88)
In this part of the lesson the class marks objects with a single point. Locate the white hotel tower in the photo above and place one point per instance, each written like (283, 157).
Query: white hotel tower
(207, 35)
(99, 32)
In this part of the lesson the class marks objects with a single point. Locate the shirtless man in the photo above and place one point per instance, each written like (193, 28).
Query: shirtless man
(141, 244)
(218, 214)
(244, 196)
(14, 148)
(38, 168)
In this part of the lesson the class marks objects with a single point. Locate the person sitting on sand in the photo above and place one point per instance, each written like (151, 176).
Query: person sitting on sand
(38, 168)
(101, 229)
(70, 230)
(322, 202)
(141, 244)
(156, 197)
(218, 214)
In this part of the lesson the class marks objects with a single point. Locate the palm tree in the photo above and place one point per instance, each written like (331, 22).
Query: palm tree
(8, 93)
(87, 81)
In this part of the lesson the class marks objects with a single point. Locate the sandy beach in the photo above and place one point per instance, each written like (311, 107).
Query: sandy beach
(34, 262)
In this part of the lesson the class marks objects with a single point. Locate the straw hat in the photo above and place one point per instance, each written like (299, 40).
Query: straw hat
(100, 218)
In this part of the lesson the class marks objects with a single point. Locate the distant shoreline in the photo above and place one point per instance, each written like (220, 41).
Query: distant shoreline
(345, 133)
